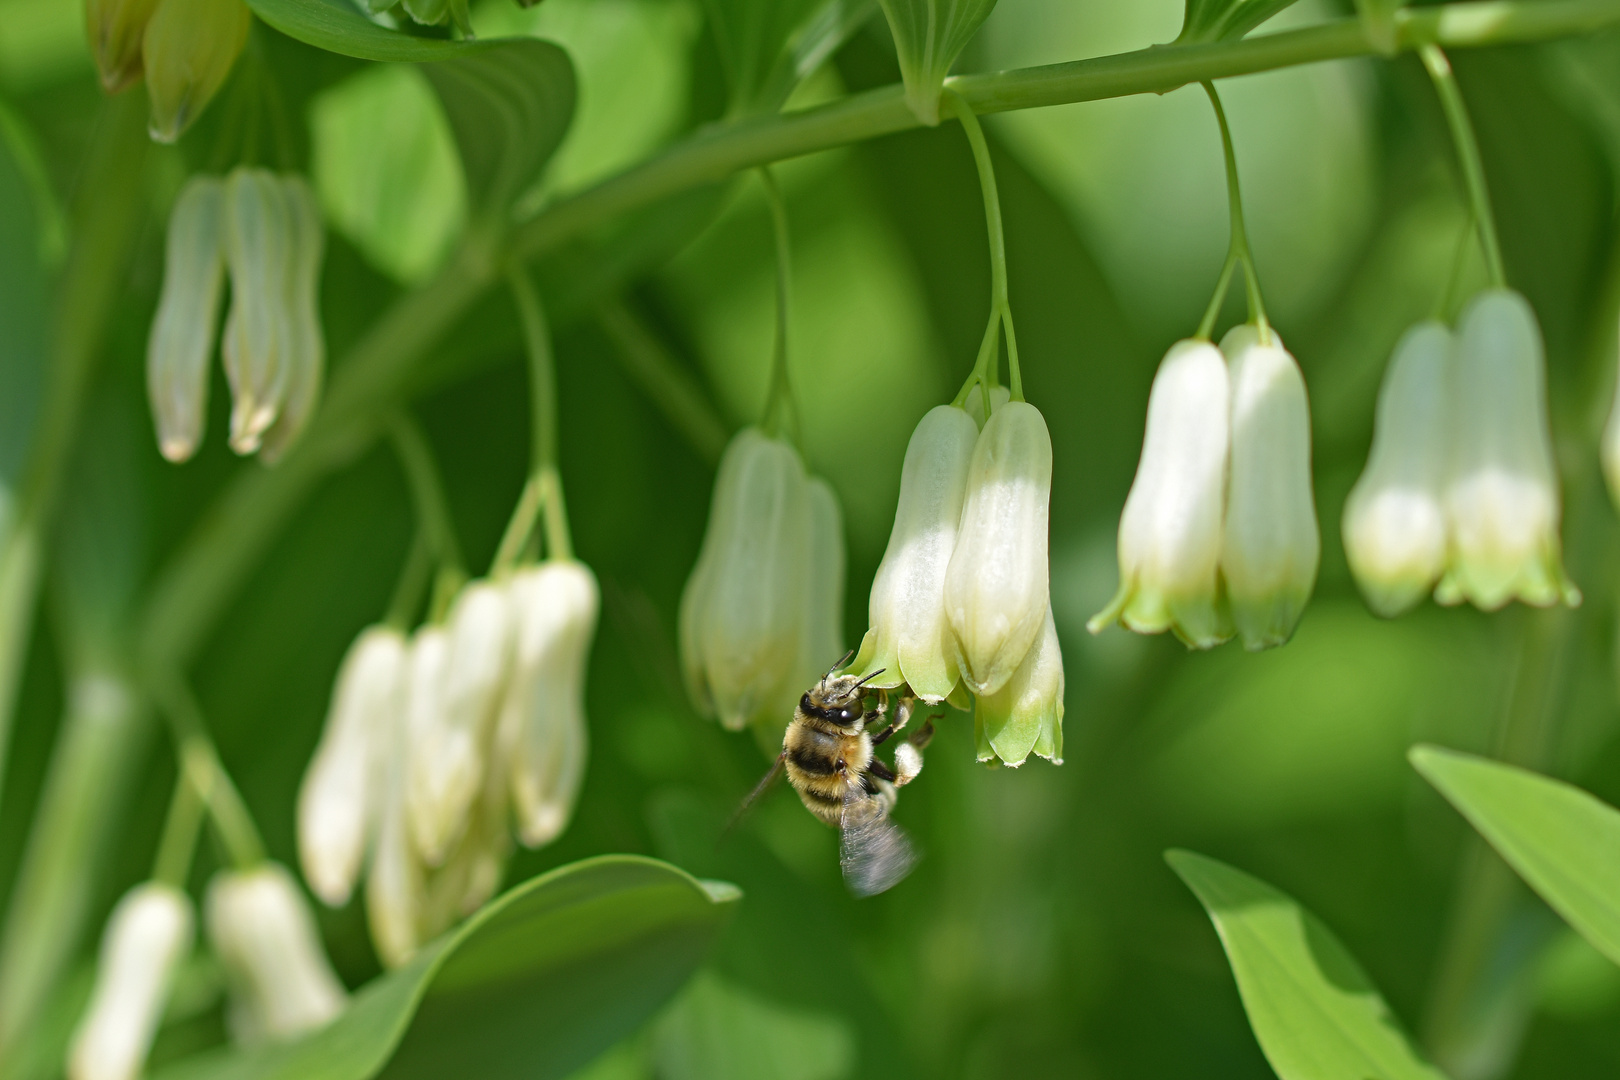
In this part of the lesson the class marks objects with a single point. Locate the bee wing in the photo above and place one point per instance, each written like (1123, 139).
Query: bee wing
(875, 852)
(764, 785)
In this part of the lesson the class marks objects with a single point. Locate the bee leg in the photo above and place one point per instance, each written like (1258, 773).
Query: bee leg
(908, 759)
(902, 717)
(882, 771)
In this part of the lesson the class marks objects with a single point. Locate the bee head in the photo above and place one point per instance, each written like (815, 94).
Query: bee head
(838, 699)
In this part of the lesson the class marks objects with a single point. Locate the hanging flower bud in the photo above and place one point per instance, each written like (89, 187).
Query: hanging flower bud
(281, 983)
(974, 404)
(1502, 503)
(189, 47)
(1270, 545)
(182, 336)
(447, 751)
(910, 637)
(1027, 713)
(1394, 520)
(1170, 530)
(554, 608)
(147, 936)
(996, 582)
(257, 345)
(306, 349)
(340, 800)
(394, 884)
(115, 28)
(742, 611)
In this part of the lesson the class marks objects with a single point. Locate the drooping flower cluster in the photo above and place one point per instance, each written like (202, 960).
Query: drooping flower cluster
(960, 604)
(762, 612)
(266, 231)
(1460, 493)
(1219, 536)
(435, 745)
(185, 48)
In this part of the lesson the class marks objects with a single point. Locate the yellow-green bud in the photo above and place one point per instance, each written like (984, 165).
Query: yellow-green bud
(1026, 715)
(182, 336)
(115, 28)
(189, 48)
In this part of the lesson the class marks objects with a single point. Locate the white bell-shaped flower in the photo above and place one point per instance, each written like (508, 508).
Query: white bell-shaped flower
(1502, 503)
(974, 403)
(1394, 520)
(1170, 530)
(996, 584)
(554, 609)
(395, 882)
(448, 749)
(182, 336)
(1026, 715)
(742, 611)
(306, 344)
(148, 935)
(342, 793)
(1270, 544)
(257, 346)
(910, 637)
(261, 928)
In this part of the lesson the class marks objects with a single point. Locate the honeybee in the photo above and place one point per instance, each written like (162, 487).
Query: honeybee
(827, 755)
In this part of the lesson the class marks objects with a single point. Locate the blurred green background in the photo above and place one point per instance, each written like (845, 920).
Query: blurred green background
(1042, 935)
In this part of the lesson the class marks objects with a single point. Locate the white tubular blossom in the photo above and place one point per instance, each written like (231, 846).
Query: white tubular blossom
(1270, 546)
(910, 636)
(259, 243)
(281, 984)
(1170, 529)
(974, 404)
(306, 345)
(343, 790)
(742, 612)
(448, 749)
(147, 936)
(182, 336)
(1026, 715)
(1502, 503)
(394, 883)
(996, 584)
(554, 609)
(1394, 520)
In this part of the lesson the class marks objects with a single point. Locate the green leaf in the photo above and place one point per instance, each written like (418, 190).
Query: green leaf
(541, 980)
(716, 1030)
(1315, 1012)
(508, 100)
(767, 47)
(928, 37)
(1563, 841)
(1222, 20)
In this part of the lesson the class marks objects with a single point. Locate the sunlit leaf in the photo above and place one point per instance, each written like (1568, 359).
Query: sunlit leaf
(1564, 842)
(1221, 20)
(508, 100)
(928, 37)
(768, 46)
(540, 981)
(1314, 1011)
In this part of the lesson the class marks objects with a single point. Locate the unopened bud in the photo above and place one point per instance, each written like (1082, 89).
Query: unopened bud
(189, 49)
(742, 610)
(997, 580)
(910, 637)
(306, 345)
(341, 797)
(1026, 715)
(281, 983)
(394, 883)
(1394, 520)
(182, 336)
(1270, 546)
(258, 330)
(447, 750)
(1502, 503)
(1170, 530)
(147, 936)
(554, 609)
(115, 28)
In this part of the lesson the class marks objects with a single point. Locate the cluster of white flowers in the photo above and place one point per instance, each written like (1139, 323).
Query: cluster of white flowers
(436, 744)
(960, 604)
(1219, 536)
(762, 612)
(261, 930)
(185, 48)
(1460, 494)
(266, 231)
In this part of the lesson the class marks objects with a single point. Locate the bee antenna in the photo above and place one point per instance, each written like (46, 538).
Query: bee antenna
(844, 660)
(868, 679)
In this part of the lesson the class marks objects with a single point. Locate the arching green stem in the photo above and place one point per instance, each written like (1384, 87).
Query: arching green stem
(200, 766)
(1473, 170)
(984, 369)
(781, 408)
(1238, 252)
(173, 863)
(433, 518)
(543, 494)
